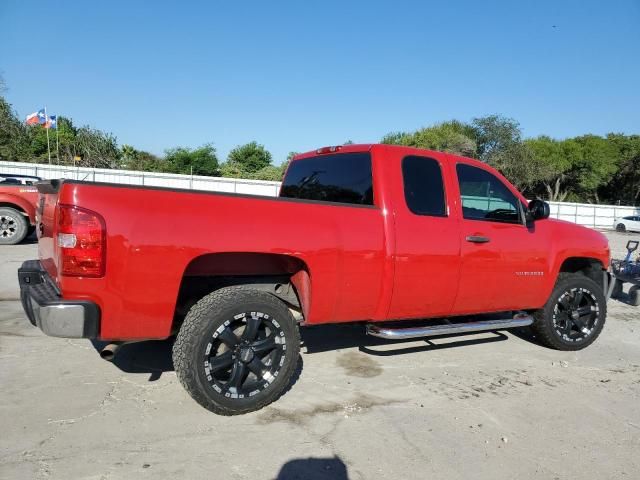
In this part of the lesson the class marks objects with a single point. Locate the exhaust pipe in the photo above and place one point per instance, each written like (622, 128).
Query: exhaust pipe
(109, 351)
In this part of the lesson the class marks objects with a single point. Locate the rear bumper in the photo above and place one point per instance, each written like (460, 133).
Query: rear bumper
(48, 311)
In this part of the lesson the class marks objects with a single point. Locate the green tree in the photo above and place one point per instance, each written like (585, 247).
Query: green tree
(14, 137)
(96, 148)
(594, 162)
(452, 136)
(203, 160)
(139, 160)
(250, 157)
(270, 172)
(66, 148)
(553, 165)
(624, 186)
(494, 135)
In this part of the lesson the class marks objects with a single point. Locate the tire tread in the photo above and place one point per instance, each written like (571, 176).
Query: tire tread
(542, 326)
(195, 325)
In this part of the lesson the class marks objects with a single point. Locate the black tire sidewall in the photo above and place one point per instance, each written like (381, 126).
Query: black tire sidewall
(544, 318)
(216, 314)
(21, 223)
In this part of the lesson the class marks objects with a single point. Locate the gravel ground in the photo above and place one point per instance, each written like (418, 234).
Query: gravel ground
(501, 407)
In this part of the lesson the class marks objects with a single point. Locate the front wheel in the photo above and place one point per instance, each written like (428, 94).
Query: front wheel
(13, 226)
(237, 350)
(621, 227)
(574, 315)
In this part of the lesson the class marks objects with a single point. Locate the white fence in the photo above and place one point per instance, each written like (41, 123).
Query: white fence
(590, 215)
(130, 177)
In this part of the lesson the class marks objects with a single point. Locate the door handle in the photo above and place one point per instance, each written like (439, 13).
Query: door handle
(477, 239)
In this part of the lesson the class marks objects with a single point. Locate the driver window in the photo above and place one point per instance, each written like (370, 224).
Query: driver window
(484, 197)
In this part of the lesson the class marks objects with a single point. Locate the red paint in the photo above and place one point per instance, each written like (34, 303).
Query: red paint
(20, 197)
(347, 263)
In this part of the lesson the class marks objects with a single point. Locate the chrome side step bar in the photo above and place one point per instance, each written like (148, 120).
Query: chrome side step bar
(519, 320)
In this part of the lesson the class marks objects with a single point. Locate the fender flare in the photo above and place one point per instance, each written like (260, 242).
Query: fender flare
(19, 203)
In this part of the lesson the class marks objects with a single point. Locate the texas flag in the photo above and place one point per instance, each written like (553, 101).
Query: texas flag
(52, 122)
(37, 118)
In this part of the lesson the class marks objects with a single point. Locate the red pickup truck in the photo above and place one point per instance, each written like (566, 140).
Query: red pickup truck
(359, 233)
(17, 211)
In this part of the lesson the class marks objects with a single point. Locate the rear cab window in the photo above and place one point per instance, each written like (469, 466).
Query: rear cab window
(485, 197)
(339, 178)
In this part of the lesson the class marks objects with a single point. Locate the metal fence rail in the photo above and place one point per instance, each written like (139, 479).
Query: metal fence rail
(590, 215)
(130, 177)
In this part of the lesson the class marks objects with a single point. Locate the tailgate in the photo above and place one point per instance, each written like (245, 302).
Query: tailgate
(46, 223)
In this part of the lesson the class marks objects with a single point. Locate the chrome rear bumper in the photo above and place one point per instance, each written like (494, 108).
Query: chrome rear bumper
(48, 311)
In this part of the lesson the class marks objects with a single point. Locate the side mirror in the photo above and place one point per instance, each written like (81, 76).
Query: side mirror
(538, 210)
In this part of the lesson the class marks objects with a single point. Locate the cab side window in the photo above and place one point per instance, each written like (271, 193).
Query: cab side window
(485, 197)
(423, 187)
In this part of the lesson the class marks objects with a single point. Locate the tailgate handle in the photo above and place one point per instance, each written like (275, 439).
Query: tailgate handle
(477, 239)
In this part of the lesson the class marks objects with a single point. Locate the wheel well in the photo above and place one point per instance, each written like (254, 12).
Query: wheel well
(590, 267)
(284, 276)
(15, 207)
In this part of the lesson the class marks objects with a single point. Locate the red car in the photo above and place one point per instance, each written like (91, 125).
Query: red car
(18, 199)
(360, 233)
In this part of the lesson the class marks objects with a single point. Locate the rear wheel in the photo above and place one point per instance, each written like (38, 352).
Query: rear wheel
(237, 350)
(621, 227)
(574, 315)
(13, 226)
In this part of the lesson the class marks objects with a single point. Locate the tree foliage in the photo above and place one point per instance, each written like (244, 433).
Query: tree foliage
(451, 136)
(202, 160)
(588, 168)
(251, 157)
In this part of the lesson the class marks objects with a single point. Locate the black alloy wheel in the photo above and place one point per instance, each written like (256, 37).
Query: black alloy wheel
(245, 355)
(576, 314)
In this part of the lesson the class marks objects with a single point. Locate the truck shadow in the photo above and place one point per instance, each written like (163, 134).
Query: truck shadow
(335, 337)
(151, 356)
(155, 357)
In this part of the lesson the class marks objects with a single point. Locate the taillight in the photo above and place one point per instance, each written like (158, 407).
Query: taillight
(81, 242)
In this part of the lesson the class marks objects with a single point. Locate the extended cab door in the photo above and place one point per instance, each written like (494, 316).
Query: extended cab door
(427, 241)
(503, 260)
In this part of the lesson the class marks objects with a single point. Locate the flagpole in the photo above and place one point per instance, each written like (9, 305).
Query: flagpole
(48, 147)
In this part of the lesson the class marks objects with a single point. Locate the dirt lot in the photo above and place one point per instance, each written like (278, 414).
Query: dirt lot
(500, 407)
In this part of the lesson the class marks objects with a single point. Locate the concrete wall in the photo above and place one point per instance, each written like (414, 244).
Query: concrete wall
(595, 216)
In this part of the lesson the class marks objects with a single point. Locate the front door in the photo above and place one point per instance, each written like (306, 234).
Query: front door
(503, 260)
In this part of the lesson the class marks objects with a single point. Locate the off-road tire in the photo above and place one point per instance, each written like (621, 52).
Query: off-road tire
(634, 296)
(544, 326)
(212, 316)
(13, 226)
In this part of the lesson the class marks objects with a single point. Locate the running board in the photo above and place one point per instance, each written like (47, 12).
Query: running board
(519, 320)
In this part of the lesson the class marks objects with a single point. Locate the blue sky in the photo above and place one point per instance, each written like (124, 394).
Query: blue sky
(298, 75)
